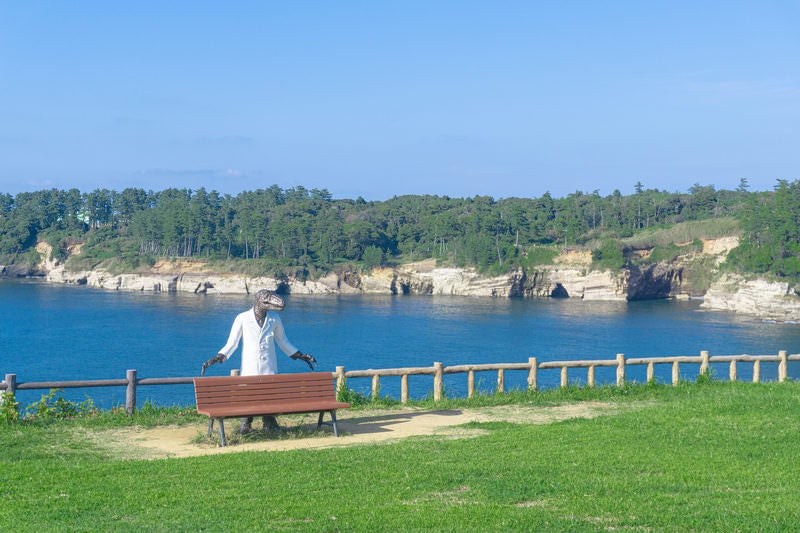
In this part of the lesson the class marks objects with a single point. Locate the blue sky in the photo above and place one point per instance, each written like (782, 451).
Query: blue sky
(384, 98)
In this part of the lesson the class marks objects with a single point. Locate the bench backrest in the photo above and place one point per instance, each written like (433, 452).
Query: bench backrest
(245, 390)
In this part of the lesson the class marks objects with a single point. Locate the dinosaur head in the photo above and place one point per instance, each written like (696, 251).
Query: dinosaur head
(267, 300)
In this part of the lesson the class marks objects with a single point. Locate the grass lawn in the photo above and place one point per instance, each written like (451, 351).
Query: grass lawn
(714, 456)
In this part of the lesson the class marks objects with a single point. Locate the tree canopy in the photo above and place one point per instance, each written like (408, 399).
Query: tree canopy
(309, 231)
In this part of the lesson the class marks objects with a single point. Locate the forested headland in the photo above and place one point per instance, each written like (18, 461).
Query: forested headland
(306, 233)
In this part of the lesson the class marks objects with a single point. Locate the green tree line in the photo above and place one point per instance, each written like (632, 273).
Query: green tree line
(308, 231)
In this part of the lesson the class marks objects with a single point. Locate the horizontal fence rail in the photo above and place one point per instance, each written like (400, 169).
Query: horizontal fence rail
(438, 370)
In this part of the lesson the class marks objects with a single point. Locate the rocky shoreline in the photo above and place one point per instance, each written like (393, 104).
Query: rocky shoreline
(570, 276)
(768, 300)
(417, 278)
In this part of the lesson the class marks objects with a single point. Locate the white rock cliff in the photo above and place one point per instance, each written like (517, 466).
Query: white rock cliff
(570, 276)
(770, 300)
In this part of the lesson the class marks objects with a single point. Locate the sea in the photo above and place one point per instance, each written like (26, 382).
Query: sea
(54, 332)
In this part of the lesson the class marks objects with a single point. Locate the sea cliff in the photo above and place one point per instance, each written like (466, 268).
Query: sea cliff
(769, 300)
(570, 276)
(693, 275)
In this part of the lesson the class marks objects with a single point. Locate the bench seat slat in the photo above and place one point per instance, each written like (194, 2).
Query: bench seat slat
(309, 377)
(260, 401)
(262, 390)
(310, 385)
(257, 394)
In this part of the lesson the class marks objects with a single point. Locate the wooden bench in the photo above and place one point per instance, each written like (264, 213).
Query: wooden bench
(278, 394)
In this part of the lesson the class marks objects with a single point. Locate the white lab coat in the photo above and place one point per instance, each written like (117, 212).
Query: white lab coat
(258, 343)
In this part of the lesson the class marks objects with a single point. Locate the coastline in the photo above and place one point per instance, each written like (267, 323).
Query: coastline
(570, 276)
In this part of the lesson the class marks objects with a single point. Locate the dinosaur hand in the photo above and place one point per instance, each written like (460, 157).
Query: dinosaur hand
(217, 359)
(307, 357)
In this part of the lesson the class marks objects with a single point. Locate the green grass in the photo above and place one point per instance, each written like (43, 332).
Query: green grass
(669, 252)
(683, 232)
(702, 457)
(540, 255)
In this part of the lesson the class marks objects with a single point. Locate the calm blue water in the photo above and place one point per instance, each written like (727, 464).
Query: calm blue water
(58, 332)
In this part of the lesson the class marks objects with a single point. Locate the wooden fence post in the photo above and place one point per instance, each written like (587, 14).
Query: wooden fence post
(130, 392)
(732, 371)
(532, 381)
(651, 372)
(782, 355)
(676, 373)
(404, 389)
(470, 384)
(501, 381)
(590, 380)
(11, 383)
(376, 386)
(341, 381)
(564, 377)
(704, 371)
(438, 381)
(756, 371)
(620, 369)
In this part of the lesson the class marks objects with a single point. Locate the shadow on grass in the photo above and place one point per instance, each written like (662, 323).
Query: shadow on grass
(383, 423)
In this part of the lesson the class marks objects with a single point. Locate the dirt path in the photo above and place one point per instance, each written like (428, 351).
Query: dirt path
(355, 427)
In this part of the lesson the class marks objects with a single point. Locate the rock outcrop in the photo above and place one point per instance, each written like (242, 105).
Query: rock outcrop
(14, 271)
(769, 300)
(575, 283)
(425, 278)
(653, 281)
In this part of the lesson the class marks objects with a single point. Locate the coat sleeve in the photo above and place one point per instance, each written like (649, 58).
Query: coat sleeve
(233, 339)
(281, 338)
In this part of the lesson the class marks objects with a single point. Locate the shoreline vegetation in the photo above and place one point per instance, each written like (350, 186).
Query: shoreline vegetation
(709, 455)
(739, 250)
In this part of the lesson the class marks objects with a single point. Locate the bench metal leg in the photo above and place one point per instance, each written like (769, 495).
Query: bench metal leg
(333, 418)
(221, 432)
(333, 421)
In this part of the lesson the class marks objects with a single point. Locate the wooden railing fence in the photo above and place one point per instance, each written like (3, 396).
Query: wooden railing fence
(438, 370)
